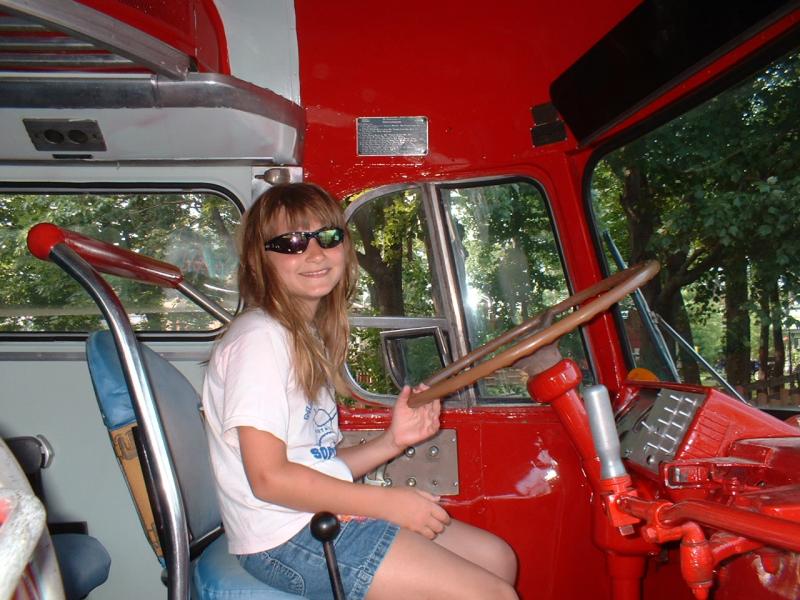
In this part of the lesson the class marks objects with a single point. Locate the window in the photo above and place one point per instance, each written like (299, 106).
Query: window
(713, 196)
(446, 268)
(509, 269)
(192, 230)
(396, 288)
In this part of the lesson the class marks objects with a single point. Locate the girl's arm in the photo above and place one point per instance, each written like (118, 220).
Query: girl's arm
(273, 478)
(409, 426)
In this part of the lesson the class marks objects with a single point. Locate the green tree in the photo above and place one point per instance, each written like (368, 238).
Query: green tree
(194, 231)
(713, 197)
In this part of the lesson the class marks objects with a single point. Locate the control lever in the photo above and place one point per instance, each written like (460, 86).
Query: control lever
(325, 528)
(614, 479)
(604, 431)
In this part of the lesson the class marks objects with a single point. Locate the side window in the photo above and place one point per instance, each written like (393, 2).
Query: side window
(193, 230)
(509, 269)
(396, 289)
(712, 195)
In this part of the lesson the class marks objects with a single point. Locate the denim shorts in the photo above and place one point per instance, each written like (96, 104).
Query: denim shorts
(298, 566)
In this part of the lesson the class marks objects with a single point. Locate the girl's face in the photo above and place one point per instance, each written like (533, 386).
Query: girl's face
(310, 276)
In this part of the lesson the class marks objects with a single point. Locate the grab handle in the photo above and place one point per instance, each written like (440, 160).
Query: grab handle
(104, 257)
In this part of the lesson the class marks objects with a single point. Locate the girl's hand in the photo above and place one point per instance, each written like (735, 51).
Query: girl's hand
(412, 425)
(417, 511)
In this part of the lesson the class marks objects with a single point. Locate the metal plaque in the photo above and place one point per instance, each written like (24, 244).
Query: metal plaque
(431, 466)
(392, 136)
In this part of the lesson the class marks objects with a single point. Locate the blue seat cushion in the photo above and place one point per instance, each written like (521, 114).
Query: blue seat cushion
(83, 561)
(179, 409)
(108, 381)
(219, 576)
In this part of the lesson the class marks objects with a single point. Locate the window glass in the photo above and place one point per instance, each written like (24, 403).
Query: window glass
(713, 196)
(509, 268)
(194, 231)
(389, 234)
(393, 249)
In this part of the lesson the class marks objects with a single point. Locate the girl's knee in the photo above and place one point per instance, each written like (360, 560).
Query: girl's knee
(501, 590)
(507, 593)
(503, 561)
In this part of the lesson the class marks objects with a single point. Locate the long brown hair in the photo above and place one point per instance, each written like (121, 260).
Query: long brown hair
(320, 347)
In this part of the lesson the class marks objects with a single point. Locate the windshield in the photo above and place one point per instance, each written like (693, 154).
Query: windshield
(714, 196)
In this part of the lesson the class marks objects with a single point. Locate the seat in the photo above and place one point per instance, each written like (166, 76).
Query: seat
(216, 575)
(83, 561)
(154, 420)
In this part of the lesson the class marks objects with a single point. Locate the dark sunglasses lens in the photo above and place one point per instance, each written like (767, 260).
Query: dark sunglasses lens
(297, 242)
(290, 243)
(329, 238)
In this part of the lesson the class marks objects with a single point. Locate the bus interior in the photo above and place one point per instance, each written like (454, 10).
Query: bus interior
(577, 221)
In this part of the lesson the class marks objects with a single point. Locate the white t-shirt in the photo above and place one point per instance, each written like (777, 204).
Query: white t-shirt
(249, 381)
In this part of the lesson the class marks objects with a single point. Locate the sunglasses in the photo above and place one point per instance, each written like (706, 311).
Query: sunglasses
(296, 242)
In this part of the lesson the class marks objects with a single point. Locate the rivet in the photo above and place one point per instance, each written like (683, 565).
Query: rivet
(276, 176)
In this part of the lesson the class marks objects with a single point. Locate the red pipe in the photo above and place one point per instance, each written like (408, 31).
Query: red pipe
(763, 528)
(104, 257)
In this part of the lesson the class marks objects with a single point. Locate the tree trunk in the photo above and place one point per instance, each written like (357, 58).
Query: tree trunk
(737, 323)
(777, 333)
(689, 367)
(387, 292)
(763, 334)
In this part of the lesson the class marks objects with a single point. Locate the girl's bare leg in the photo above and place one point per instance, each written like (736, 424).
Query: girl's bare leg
(480, 547)
(417, 568)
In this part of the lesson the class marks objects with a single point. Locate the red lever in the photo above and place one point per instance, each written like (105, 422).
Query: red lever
(104, 257)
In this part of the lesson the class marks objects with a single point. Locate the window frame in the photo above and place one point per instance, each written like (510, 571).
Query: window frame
(485, 401)
(116, 188)
(445, 322)
(443, 266)
(728, 80)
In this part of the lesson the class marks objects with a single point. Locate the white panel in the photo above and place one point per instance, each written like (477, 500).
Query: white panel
(45, 394)
(162, 134)
(262, 43)
(236, 178)
(84, 483)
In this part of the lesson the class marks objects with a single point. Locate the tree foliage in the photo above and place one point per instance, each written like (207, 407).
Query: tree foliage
(193, 231)
(713, 196)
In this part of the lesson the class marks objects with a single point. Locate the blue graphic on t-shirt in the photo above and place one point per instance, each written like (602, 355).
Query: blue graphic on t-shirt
(326, 436)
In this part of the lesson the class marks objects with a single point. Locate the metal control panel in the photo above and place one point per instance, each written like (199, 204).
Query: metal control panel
(431, 466)
(652, 431)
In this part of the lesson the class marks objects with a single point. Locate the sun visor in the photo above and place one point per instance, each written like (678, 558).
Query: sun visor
(657, 45)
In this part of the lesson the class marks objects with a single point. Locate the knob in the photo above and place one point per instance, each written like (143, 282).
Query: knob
(324, 526)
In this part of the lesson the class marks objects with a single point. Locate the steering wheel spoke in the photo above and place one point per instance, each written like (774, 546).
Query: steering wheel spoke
(592, 301)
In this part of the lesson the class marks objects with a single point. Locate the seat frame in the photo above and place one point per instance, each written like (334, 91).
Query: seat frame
(157, 464)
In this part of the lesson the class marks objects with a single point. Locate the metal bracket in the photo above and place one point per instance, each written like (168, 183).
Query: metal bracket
(431, 466)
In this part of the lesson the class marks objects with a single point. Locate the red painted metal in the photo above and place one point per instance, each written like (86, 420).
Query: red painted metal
(106, 258)
(699, 556)
(527, 473)
(192, 26)
(392, 65)
(612, 529)
(721, 421)
(521, 478)
(663, 516)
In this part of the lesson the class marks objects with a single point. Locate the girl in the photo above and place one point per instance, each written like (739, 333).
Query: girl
(273, 430)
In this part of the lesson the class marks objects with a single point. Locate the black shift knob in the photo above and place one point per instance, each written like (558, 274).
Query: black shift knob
(324, 526)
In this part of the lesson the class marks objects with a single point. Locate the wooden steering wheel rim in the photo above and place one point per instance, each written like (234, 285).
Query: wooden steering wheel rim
(608, 292)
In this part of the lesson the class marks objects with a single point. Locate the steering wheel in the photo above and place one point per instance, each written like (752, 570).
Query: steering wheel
(606, 293)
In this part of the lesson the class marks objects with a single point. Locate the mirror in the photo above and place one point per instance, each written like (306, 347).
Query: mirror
(413, 355)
